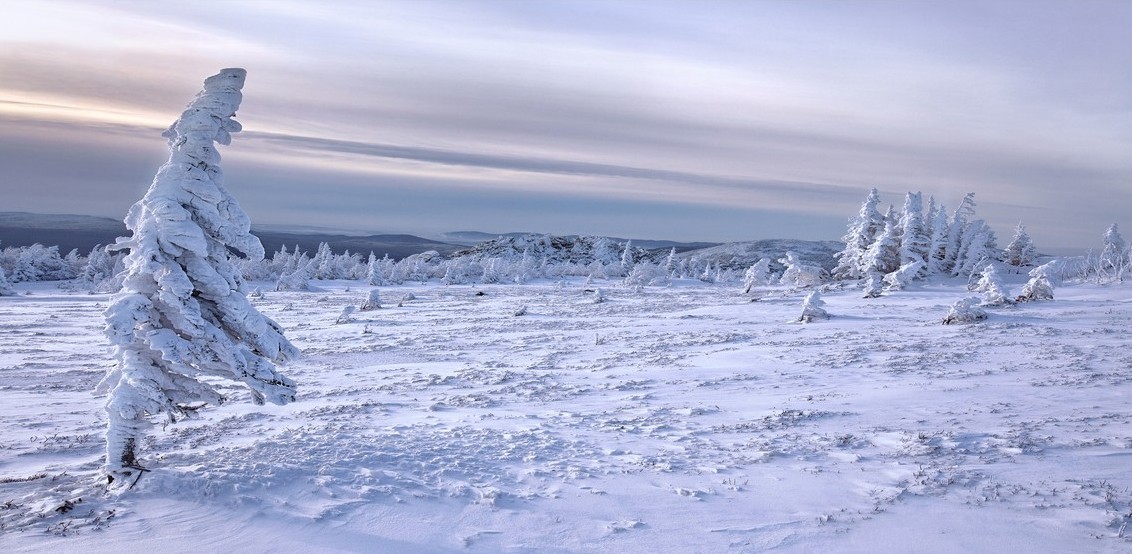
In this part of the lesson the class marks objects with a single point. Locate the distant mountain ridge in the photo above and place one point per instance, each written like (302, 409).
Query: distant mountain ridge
(472, 238)
(85, 232)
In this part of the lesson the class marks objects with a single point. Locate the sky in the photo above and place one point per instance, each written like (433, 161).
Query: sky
(717, 120)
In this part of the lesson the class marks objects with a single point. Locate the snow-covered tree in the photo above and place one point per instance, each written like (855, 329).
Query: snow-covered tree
(646, 273)
(182, 313)
(902, 277)
(627, 260)
(800, 274)
(99, 266)
(670, 263)
(1020, 252)
(955, 229)
(298, 278)
(373, 301)
(5, 287)
(966, 310)
(860, 235)
(883, 256)
(874, 285)
(812, 308)
(914, 235)
(1114, 252)
(939, 231)
(757, 275)
(977, 246)
(994, 291)
(325, 267)
(373, 272)
(1037, 288)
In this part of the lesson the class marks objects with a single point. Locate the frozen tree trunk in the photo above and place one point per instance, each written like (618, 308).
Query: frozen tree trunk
(181, 313)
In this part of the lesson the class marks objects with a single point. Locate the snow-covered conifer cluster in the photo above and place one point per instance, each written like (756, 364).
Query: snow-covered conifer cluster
(897, 248)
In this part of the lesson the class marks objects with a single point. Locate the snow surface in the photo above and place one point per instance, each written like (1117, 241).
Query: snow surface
(678, 419)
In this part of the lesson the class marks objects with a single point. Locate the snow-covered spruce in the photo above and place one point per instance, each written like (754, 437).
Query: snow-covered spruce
(1114, 257)
(181, 313)
(5, 287)
(992, 287)
(915, 236)
(1037, 288)
(800, 274)
(812, 308)
(860, 235)
(965, 310)
(1021, 251)
(874, 285)
(757, 275)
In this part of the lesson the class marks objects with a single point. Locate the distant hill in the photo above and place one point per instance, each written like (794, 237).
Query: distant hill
(85, 232)
(472, 238)
(741, 255)
(68, 232)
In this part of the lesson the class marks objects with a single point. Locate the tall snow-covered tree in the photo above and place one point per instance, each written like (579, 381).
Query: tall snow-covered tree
(861, 233)
(883, 256)
(182, 313)
(627, 260)
(1020, 252)
(977, 245)
(956, 227)
(915, 237)
(939, 231)
(1114, 252)
(373, 271)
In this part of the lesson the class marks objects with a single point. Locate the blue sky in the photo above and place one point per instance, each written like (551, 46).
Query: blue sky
(718, 120)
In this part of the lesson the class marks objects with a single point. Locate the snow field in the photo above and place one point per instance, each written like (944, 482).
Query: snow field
(685, 419)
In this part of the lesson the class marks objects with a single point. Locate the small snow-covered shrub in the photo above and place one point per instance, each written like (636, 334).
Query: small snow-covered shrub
(346, 316)
(800, 274)
(966, 310)
(1037, 288)
(994, 291)
(373, 301)
(812, 308)
(757, 275)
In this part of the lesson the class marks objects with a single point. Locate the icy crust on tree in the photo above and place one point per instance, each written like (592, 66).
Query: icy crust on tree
(181, 313)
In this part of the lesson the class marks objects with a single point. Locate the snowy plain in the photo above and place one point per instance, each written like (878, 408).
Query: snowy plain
(686, 418)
